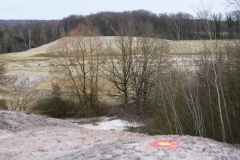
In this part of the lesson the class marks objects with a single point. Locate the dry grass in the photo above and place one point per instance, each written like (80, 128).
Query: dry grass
(193, 47)
(37, 61)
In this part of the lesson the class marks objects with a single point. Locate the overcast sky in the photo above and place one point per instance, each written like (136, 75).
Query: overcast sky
(58, 9)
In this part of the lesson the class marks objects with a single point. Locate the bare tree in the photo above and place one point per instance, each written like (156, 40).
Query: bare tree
(149, 51)
(166, 96)
(119, 68)
(43, 34)
(79, 61)
(132, 63)
(214, 79)
(217, 18)
(2, 72)
(236, 18)
(21, 96)
(3, 104)
(1, 39)
(234, 3)
(176, 24)
(29, 34)
(20, 32)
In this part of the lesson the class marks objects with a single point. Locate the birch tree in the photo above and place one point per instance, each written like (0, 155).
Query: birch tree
(29, 29)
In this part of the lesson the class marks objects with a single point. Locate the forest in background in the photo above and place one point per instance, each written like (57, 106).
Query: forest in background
(20, 35)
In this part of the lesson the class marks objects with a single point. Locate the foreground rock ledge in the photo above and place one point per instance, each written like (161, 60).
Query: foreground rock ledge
(24, 136)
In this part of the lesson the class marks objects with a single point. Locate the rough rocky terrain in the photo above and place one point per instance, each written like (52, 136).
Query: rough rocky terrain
(28, 136)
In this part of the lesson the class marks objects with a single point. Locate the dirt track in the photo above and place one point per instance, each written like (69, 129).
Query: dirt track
(24, 136)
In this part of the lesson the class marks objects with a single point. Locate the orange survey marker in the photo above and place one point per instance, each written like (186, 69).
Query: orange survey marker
(164, 144)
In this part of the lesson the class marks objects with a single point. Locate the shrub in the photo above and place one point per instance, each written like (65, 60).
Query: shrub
(3, 105)
(55, 107)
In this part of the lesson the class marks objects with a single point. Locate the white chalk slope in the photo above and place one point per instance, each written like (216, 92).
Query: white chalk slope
(24, 136)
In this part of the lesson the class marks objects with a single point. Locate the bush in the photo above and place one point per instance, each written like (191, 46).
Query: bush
(3, 104)
(55, 107)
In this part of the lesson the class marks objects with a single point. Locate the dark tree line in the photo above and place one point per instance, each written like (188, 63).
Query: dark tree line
(178, 26)
(23, 35)
(30, 34)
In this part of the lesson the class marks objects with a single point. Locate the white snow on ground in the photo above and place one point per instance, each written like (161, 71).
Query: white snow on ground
(34, 137)
(107, 125)
(103, 123)
(28, 81)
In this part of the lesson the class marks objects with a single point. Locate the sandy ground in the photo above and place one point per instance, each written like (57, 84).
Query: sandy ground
(24, 136)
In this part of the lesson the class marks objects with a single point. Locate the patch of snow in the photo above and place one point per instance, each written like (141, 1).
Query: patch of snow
(116, 124)
(104, 123)
(28, 81)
